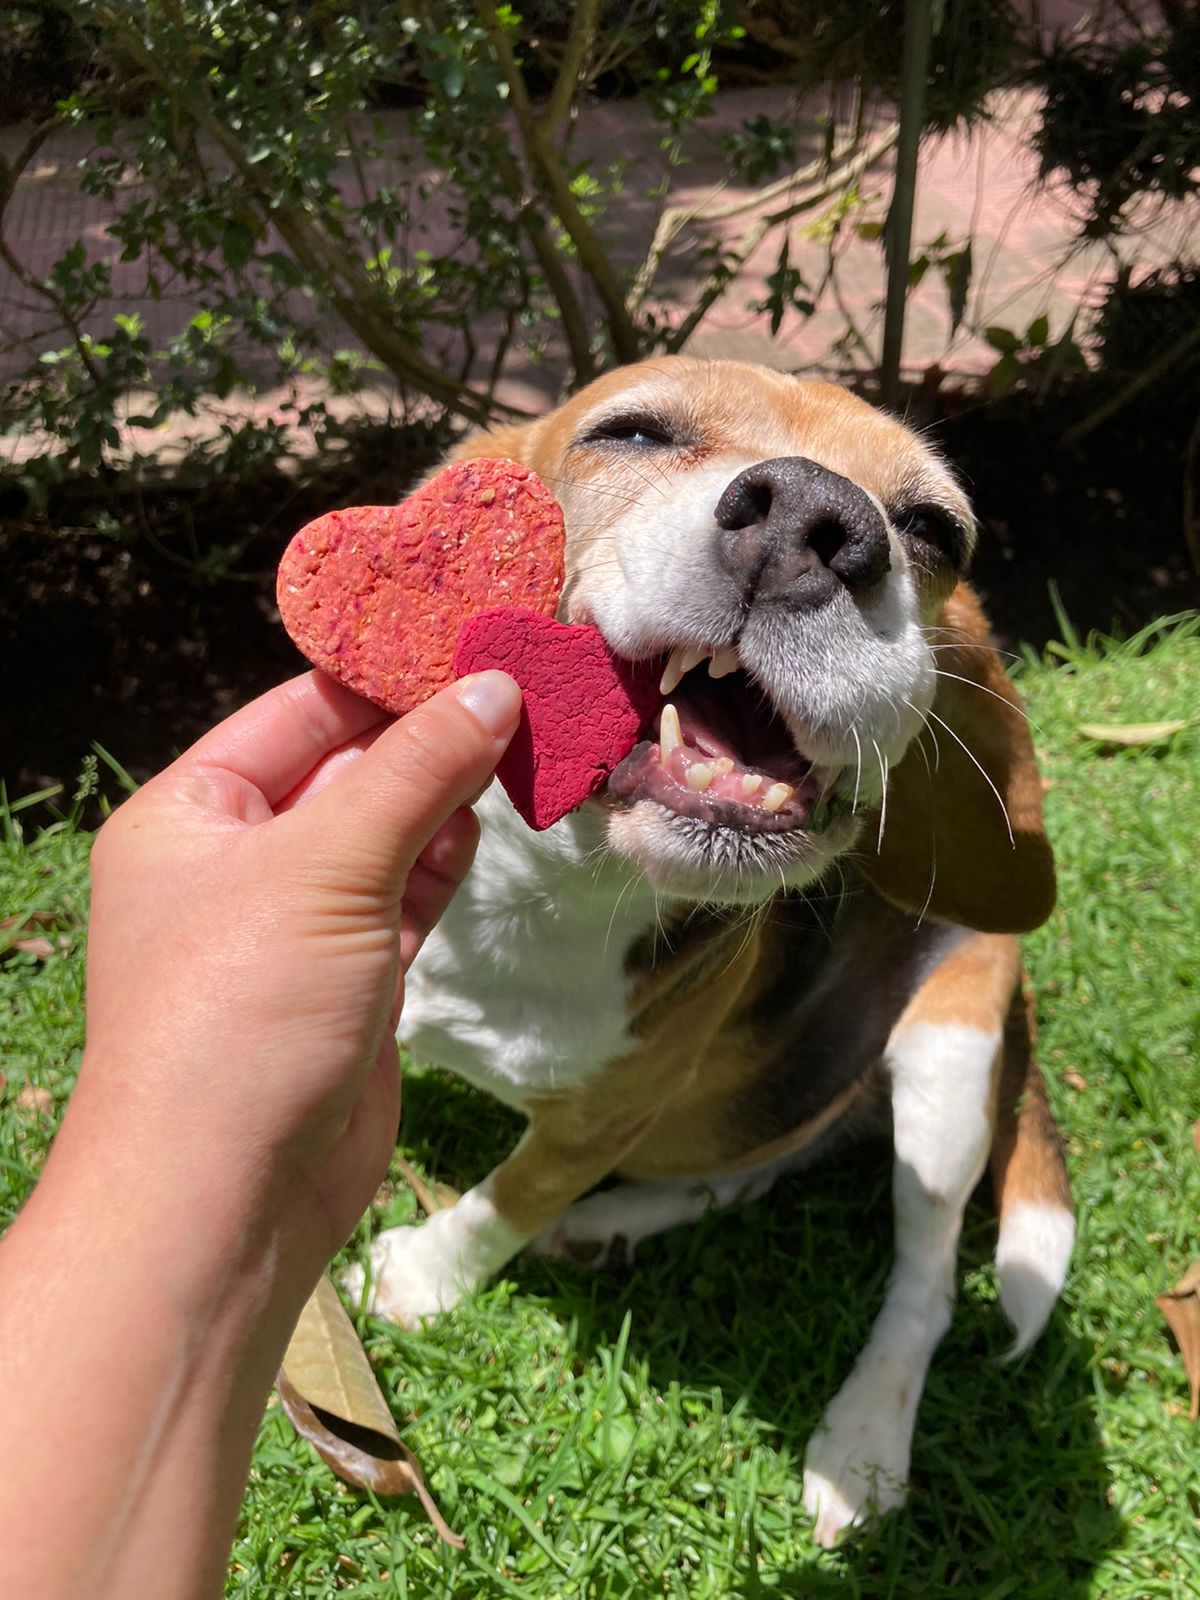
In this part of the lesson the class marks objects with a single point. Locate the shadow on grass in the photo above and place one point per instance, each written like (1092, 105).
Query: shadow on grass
(770, 1304)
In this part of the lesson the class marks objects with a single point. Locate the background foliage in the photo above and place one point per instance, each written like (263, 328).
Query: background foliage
(482, 236)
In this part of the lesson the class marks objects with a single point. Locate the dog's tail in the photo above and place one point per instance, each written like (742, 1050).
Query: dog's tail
(1029, 1180)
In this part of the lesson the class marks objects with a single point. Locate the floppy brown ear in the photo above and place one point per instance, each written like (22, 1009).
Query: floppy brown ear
(947, 846)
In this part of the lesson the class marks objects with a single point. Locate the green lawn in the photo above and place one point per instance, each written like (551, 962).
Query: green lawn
(641, 1433)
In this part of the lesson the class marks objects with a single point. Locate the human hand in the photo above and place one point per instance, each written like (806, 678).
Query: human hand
(255, 906)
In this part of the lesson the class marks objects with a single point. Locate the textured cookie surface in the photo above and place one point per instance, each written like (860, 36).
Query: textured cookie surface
(375, 595)
(584, 708)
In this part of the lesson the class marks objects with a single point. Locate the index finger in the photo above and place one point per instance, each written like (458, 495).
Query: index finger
(278, 739)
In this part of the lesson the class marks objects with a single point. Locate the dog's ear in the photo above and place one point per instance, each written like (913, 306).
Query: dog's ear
(963, 837)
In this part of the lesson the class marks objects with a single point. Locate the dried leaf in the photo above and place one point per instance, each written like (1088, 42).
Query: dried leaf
(33, 1097)
(1134, 733)
(21, 923)
(1074, 1079)
(438, 1198)
(1181, 1308)
(330, 1394)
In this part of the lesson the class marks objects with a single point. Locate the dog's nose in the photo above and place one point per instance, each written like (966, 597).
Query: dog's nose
(794, 531)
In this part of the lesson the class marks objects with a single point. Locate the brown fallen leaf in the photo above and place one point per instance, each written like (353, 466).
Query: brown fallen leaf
(439, 1197)
(1135, 733)
(33, 1097)
(329, 1392)
(39, 947)
(1181, 1307)
(1074, 1079)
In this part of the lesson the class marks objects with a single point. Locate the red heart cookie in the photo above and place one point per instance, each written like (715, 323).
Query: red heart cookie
(584, 708)
(375, 595)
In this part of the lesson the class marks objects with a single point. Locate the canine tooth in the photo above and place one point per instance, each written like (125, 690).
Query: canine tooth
(669, 735)
(722, 766)
(776, 795)
(700, 775)
(723, 662)
(672, 672)
(751, 784)
(693, 655)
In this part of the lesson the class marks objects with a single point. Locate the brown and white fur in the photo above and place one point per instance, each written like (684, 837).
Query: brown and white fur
(811, 549)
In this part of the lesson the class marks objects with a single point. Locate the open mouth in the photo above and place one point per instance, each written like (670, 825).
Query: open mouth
(717, 751)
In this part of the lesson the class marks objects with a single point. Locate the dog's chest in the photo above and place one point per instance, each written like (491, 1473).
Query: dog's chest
(522, 989)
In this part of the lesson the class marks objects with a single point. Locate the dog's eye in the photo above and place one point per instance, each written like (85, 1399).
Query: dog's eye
(932, 535)
(639, 430)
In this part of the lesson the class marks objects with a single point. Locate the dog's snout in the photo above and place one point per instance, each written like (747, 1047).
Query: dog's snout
(794, 531)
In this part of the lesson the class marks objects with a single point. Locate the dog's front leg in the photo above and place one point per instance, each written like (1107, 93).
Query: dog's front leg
(943, 1076)
(417, 1272)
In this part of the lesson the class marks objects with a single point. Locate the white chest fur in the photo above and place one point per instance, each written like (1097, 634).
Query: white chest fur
(521, 989)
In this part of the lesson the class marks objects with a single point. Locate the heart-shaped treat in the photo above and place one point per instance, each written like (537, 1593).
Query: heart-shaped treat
(584, 708)
(375, 595)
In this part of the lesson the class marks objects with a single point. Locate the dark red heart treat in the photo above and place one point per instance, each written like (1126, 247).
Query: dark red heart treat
(584, 708)
(375, 595)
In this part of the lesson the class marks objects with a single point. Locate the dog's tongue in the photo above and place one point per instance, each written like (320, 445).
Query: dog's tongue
(584, 708)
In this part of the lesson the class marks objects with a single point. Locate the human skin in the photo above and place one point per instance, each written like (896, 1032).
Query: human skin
(254, 909)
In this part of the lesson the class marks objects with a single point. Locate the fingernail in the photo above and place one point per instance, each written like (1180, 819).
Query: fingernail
(492, 698)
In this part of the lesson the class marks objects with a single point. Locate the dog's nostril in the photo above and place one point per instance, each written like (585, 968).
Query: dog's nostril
(826, 538)
(746, 504)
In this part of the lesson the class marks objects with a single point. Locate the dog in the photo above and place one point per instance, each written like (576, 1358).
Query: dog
(790, 912)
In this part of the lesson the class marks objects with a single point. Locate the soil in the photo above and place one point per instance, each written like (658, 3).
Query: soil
(131, 645)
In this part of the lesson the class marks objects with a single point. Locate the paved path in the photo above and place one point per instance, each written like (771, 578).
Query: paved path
(980, 185)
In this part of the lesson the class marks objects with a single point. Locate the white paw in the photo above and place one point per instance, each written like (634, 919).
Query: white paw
(591, 1233)
(606, 1228)
(856, 1464)
(411, 1276)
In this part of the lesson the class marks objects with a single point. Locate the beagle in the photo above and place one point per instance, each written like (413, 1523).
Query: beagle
(841, 759)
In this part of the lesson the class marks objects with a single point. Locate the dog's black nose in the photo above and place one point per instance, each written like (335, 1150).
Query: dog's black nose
(794, 531)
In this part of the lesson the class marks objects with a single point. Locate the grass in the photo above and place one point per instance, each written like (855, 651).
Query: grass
(641, 1433)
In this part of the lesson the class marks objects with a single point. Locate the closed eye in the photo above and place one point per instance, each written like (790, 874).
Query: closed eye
(639, 430)
(933, 535)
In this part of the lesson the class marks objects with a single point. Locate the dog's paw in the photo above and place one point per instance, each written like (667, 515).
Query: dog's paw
(856, 1464)
(410, 1280)
(603, 1230)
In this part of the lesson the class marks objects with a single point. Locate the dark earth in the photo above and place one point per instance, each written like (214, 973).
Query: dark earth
(128, 643)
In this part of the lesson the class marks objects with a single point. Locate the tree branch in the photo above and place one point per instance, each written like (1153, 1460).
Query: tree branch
(720, 279)
(350, 290)
(10, 173)
(584, 18)
(551, 178)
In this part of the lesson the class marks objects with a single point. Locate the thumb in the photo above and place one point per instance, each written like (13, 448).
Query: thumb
(383, 809)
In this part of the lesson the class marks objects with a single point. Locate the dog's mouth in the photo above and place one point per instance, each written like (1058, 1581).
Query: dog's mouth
(718, 751)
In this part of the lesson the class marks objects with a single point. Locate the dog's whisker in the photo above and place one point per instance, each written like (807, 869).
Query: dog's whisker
(982, 773)
(883, 778)
(1019, 711)
(857, 766)
(923, 716)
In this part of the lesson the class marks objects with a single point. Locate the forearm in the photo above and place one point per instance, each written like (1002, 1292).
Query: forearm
(136, 1375)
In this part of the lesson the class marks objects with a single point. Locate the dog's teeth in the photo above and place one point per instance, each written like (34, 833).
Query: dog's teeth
(723, 662)
(681, 660)
(751, 784)
(669, 735)
(672, 672)
(776, 795)
(700, 776)
(723, 766)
